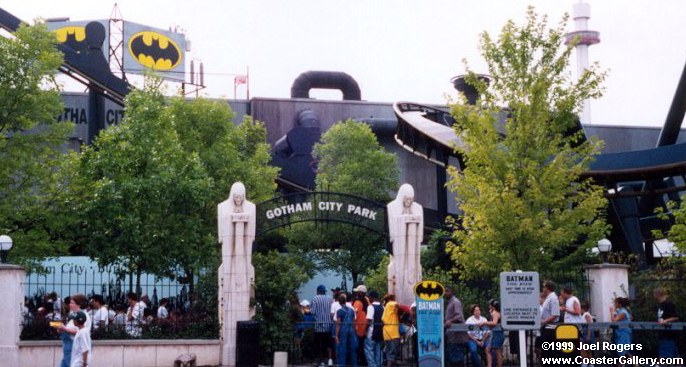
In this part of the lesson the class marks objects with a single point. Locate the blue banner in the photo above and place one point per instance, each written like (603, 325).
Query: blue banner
(429, 311)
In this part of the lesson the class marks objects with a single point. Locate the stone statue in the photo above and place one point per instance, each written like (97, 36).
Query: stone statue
(236, 228)
(406, 232)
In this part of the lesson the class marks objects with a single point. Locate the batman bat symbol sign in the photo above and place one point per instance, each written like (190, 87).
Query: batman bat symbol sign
(155, 50)
(429, 290)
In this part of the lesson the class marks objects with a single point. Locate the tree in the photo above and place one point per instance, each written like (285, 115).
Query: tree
(151, 185)
(277, 278)
(350, 161)
(524, 204)
(227, 154)
(31, 142)
(142, 192)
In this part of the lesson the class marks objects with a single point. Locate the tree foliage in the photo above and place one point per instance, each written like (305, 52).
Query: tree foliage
(277, 277)
(350, 160)
(31, 141)
(150, 186)
(677, 231)
(523, 201)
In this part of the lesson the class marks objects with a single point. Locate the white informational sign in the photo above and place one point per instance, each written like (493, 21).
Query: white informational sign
(519, 305)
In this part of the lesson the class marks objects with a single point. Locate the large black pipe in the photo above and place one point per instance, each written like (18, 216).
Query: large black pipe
(326, 80)
(675, 116)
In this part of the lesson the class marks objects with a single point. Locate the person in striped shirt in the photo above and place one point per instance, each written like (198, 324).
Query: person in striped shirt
(321, 309)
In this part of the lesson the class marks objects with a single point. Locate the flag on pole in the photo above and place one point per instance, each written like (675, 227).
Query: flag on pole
(240, 79)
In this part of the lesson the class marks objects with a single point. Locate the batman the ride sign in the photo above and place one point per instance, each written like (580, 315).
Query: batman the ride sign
(321, 207)
(155, 49)
(429, 302)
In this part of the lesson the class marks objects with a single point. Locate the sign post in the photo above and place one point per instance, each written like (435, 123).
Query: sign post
(519, 295)
(429, 302)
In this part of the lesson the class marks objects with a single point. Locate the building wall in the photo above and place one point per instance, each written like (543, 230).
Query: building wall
(279, 116)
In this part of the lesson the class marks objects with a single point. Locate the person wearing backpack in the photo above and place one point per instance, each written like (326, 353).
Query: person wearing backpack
(373, 344)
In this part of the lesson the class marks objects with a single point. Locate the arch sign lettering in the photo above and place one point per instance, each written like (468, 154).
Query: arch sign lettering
(321, 206)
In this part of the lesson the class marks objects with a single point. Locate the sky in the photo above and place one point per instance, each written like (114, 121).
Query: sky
(400, 50)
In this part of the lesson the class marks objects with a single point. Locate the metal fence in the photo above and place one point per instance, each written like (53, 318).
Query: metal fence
(78, 275)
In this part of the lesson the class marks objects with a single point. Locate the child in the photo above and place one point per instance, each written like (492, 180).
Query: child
(586, 332)
(81, 349)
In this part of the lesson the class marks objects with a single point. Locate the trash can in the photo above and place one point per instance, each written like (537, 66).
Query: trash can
(247, 343)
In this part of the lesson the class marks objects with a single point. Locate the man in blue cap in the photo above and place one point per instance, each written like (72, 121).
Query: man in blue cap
(321, 309)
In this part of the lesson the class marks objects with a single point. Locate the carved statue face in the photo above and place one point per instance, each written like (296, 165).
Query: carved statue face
(238, 199)
(407, 201)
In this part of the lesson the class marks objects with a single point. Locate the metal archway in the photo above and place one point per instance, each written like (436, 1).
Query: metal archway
(300, 207)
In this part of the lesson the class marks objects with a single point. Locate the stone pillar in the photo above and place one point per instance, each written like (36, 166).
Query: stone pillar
(236, 226)
(12, 303)
(607, 282)
(406, 232)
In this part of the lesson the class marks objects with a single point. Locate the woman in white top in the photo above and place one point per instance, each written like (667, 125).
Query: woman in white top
(477, 338)
(162, 312)
(572, 307)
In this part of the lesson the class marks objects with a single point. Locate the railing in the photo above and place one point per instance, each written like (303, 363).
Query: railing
(302, 348)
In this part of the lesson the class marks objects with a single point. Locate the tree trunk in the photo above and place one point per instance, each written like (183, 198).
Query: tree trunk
(138, 283)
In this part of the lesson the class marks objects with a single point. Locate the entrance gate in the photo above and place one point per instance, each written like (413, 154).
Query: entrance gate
(401, 222)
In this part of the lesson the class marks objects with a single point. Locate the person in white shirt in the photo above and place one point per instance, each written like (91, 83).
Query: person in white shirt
(162, 312)
(77, 303)
(101, 316)
(134, 316)
(477, 338)
(550, 315)
(572, 307)
(82, 346)
(373, 344)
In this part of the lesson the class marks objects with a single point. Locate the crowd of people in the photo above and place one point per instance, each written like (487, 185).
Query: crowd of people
(76, 317)
(362, 328)
(566, 308)
(358, 328)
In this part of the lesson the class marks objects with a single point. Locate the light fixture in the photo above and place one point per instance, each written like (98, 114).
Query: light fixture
(604, 247)
(5, 247)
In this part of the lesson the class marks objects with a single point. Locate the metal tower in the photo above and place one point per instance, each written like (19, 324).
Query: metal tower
(581, 12)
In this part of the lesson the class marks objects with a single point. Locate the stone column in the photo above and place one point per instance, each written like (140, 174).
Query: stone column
(12, 303)
(607, 282)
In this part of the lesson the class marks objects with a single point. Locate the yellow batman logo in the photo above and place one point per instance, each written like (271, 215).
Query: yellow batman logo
(155, 50)
(429, 290)
(64, 34)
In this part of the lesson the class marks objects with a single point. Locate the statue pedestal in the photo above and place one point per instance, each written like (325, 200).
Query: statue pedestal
(12, 303)
(607, 281)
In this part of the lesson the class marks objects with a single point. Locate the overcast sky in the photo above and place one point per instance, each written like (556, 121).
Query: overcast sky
(401, 50)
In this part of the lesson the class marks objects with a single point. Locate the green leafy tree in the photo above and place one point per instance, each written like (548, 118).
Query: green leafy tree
(31, 142)
(227, 154)
(350, 161)
(142, 192)
(524, 203)
(152, 183)
(677, 231)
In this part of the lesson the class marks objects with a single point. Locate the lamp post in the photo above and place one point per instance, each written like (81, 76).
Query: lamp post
(604, 247)
(5, 247)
